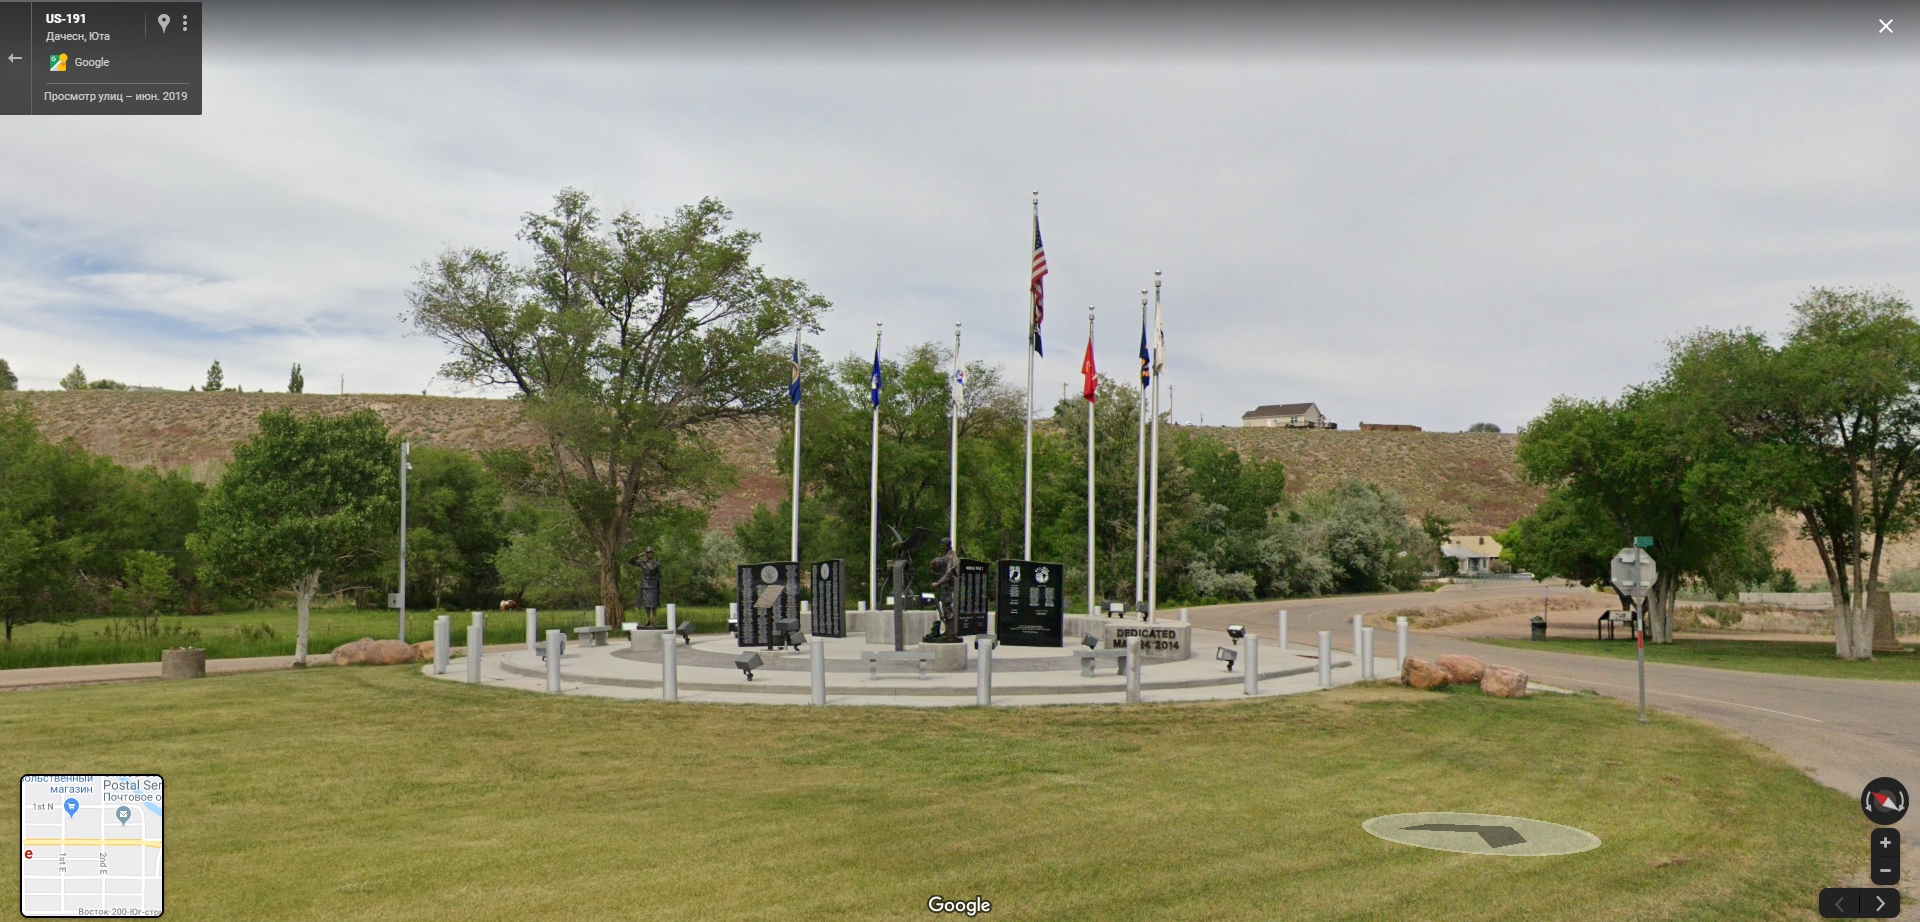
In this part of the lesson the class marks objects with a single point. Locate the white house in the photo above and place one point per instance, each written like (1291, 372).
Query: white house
(1475, 552)
(1288, 416)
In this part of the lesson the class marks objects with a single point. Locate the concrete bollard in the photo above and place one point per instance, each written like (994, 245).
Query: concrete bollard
(673, 618)
(806, 617)
(442, 643)
(476, 645)
(1253, 664)
(1283, 631)
(1183, 616)
(1366, 653)
(1356, 636)
(533, 629)
(1133, 670)
(1400, 655)
(983, 667)
(554, 640)
(1326, 659)
(669, 670)
(599, 616)
(817, 667)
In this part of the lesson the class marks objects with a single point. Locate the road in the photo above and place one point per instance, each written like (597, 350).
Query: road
(1843, 732)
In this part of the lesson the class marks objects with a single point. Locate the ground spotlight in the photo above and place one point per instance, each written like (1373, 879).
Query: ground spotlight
(1236, 631)
(748, 662)
(685, 630)
(1092, 642)
(1227, 655)
(787, 631)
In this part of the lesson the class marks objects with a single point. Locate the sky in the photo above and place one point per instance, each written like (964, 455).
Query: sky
(1432, 215)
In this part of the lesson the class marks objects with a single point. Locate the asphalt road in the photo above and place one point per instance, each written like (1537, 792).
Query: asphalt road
(1843, 732)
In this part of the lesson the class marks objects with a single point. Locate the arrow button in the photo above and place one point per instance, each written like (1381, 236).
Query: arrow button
(1839, 903)
(11, 57)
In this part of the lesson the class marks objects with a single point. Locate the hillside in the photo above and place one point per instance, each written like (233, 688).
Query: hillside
(1469, 478)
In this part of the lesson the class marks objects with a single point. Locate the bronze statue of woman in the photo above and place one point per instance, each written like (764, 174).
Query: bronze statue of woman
(647, 599)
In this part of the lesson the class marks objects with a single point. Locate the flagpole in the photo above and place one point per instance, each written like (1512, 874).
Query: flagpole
(1140, 469)
(1026, 542)
(1153, 489)
(1093, 605)
(953, 449)
(796, 448)
(873, 501)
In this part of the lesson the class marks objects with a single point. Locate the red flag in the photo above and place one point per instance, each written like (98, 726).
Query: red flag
(1092, 384)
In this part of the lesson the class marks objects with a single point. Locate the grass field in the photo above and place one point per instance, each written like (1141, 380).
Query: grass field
(377, 793)
(271, 633)
(1785, 657)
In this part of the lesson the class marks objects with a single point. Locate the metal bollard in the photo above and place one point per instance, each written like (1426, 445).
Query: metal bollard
(806, 617)
(599, 616)
(817, 667)
(983, 691)
(669, 670)
(1283, 631)
(533, 629)
(1400, 656)
(1366, 653)
(1253, 664)
(554, 641)
(1183, 616)
(476, 645)
(1356, 636)
(673, 619)
(1326, 659)
(1133, 670)
(442, 643)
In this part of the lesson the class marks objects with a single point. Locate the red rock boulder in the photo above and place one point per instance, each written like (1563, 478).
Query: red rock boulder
(1461, 670)
(1504, 682)
(369, 652)
(1421, 674)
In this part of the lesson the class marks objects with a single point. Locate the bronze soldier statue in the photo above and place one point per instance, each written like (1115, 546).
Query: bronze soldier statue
(946, 586)
(648, 597)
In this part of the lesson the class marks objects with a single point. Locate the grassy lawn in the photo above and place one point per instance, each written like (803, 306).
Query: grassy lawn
(1786, 657)
(371, 793)
(271, 633)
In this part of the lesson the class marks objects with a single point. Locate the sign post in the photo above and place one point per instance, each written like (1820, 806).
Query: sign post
(1634, 574)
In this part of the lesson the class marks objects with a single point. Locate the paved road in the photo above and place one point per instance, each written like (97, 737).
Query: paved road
(50, 676)
(1843, 732)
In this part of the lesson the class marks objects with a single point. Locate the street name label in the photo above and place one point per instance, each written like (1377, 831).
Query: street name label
(90, 845)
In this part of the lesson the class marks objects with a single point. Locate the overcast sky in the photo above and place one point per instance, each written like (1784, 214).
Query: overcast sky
(1434, 218)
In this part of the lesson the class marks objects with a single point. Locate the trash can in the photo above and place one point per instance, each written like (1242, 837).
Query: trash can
(1539, 627)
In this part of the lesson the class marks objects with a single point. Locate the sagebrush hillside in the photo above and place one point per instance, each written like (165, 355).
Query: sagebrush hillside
(1469, 478)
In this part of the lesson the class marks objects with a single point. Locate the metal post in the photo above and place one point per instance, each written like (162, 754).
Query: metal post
(533, 629)
(1366, 654)
(476, 645)
(1283, 630)
(599, 616)
(1640, 652)
(806, 618)
(983, 693)
(442, 643)
(673, 620)
(1326, 659)
(1253, 664)
(405, 449)
(1356, 636)
(899, 604)
(1133, 670)
(873, 486)
(669, 669)
(555, 639)
(1400, 657)
(1183, 615)
(817, 669)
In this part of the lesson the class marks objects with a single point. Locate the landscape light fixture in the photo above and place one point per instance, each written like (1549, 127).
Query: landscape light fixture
(748, 662)
(685, 630)
(788, 632)
(1227, 655)
(1236, 631)
(1092, 642)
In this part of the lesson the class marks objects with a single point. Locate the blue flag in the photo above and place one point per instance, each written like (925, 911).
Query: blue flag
(873, 395)
(793, 390)
(1146, 359)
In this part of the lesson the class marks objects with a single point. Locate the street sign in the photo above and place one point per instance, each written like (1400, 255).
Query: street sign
(1643, 541)
(1634, 572)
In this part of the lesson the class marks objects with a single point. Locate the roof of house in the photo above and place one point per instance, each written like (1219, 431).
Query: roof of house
(1278, 409)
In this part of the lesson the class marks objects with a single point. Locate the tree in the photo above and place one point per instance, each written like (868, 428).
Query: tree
(1483, 427)
(8, 382)
(296, 383)
(216, 378)
(38, 551)
(456, 523)
(309, 501)
(105, 384)
(627, 344)
(75, 380)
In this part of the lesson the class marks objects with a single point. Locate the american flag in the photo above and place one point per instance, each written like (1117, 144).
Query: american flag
(1038, 290)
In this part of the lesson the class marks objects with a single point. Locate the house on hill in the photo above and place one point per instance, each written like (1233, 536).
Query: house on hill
(1388, 427)
(1476, 553)
(1287, 416)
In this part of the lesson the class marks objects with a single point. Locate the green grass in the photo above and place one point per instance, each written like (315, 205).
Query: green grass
(378, 793)
(1784, 657)
(271, 633)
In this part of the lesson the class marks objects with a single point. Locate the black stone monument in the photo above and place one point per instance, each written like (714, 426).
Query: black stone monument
(1030, 603)
(973, 595)
(829, 598)
(767, 592)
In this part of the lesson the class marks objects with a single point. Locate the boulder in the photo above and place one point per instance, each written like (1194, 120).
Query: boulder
(1421, 674)
(1504, 682)
(423, 650)
(369, 652)
(1462, 670)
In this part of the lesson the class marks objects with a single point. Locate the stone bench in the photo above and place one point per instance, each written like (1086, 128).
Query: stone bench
(874, 658)
(592, 636)
(540, 649)
(1090, 657)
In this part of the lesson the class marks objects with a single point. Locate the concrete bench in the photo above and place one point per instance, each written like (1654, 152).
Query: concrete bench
(540, 648)
(591, 636)
(875, 657)
(1089, 657)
